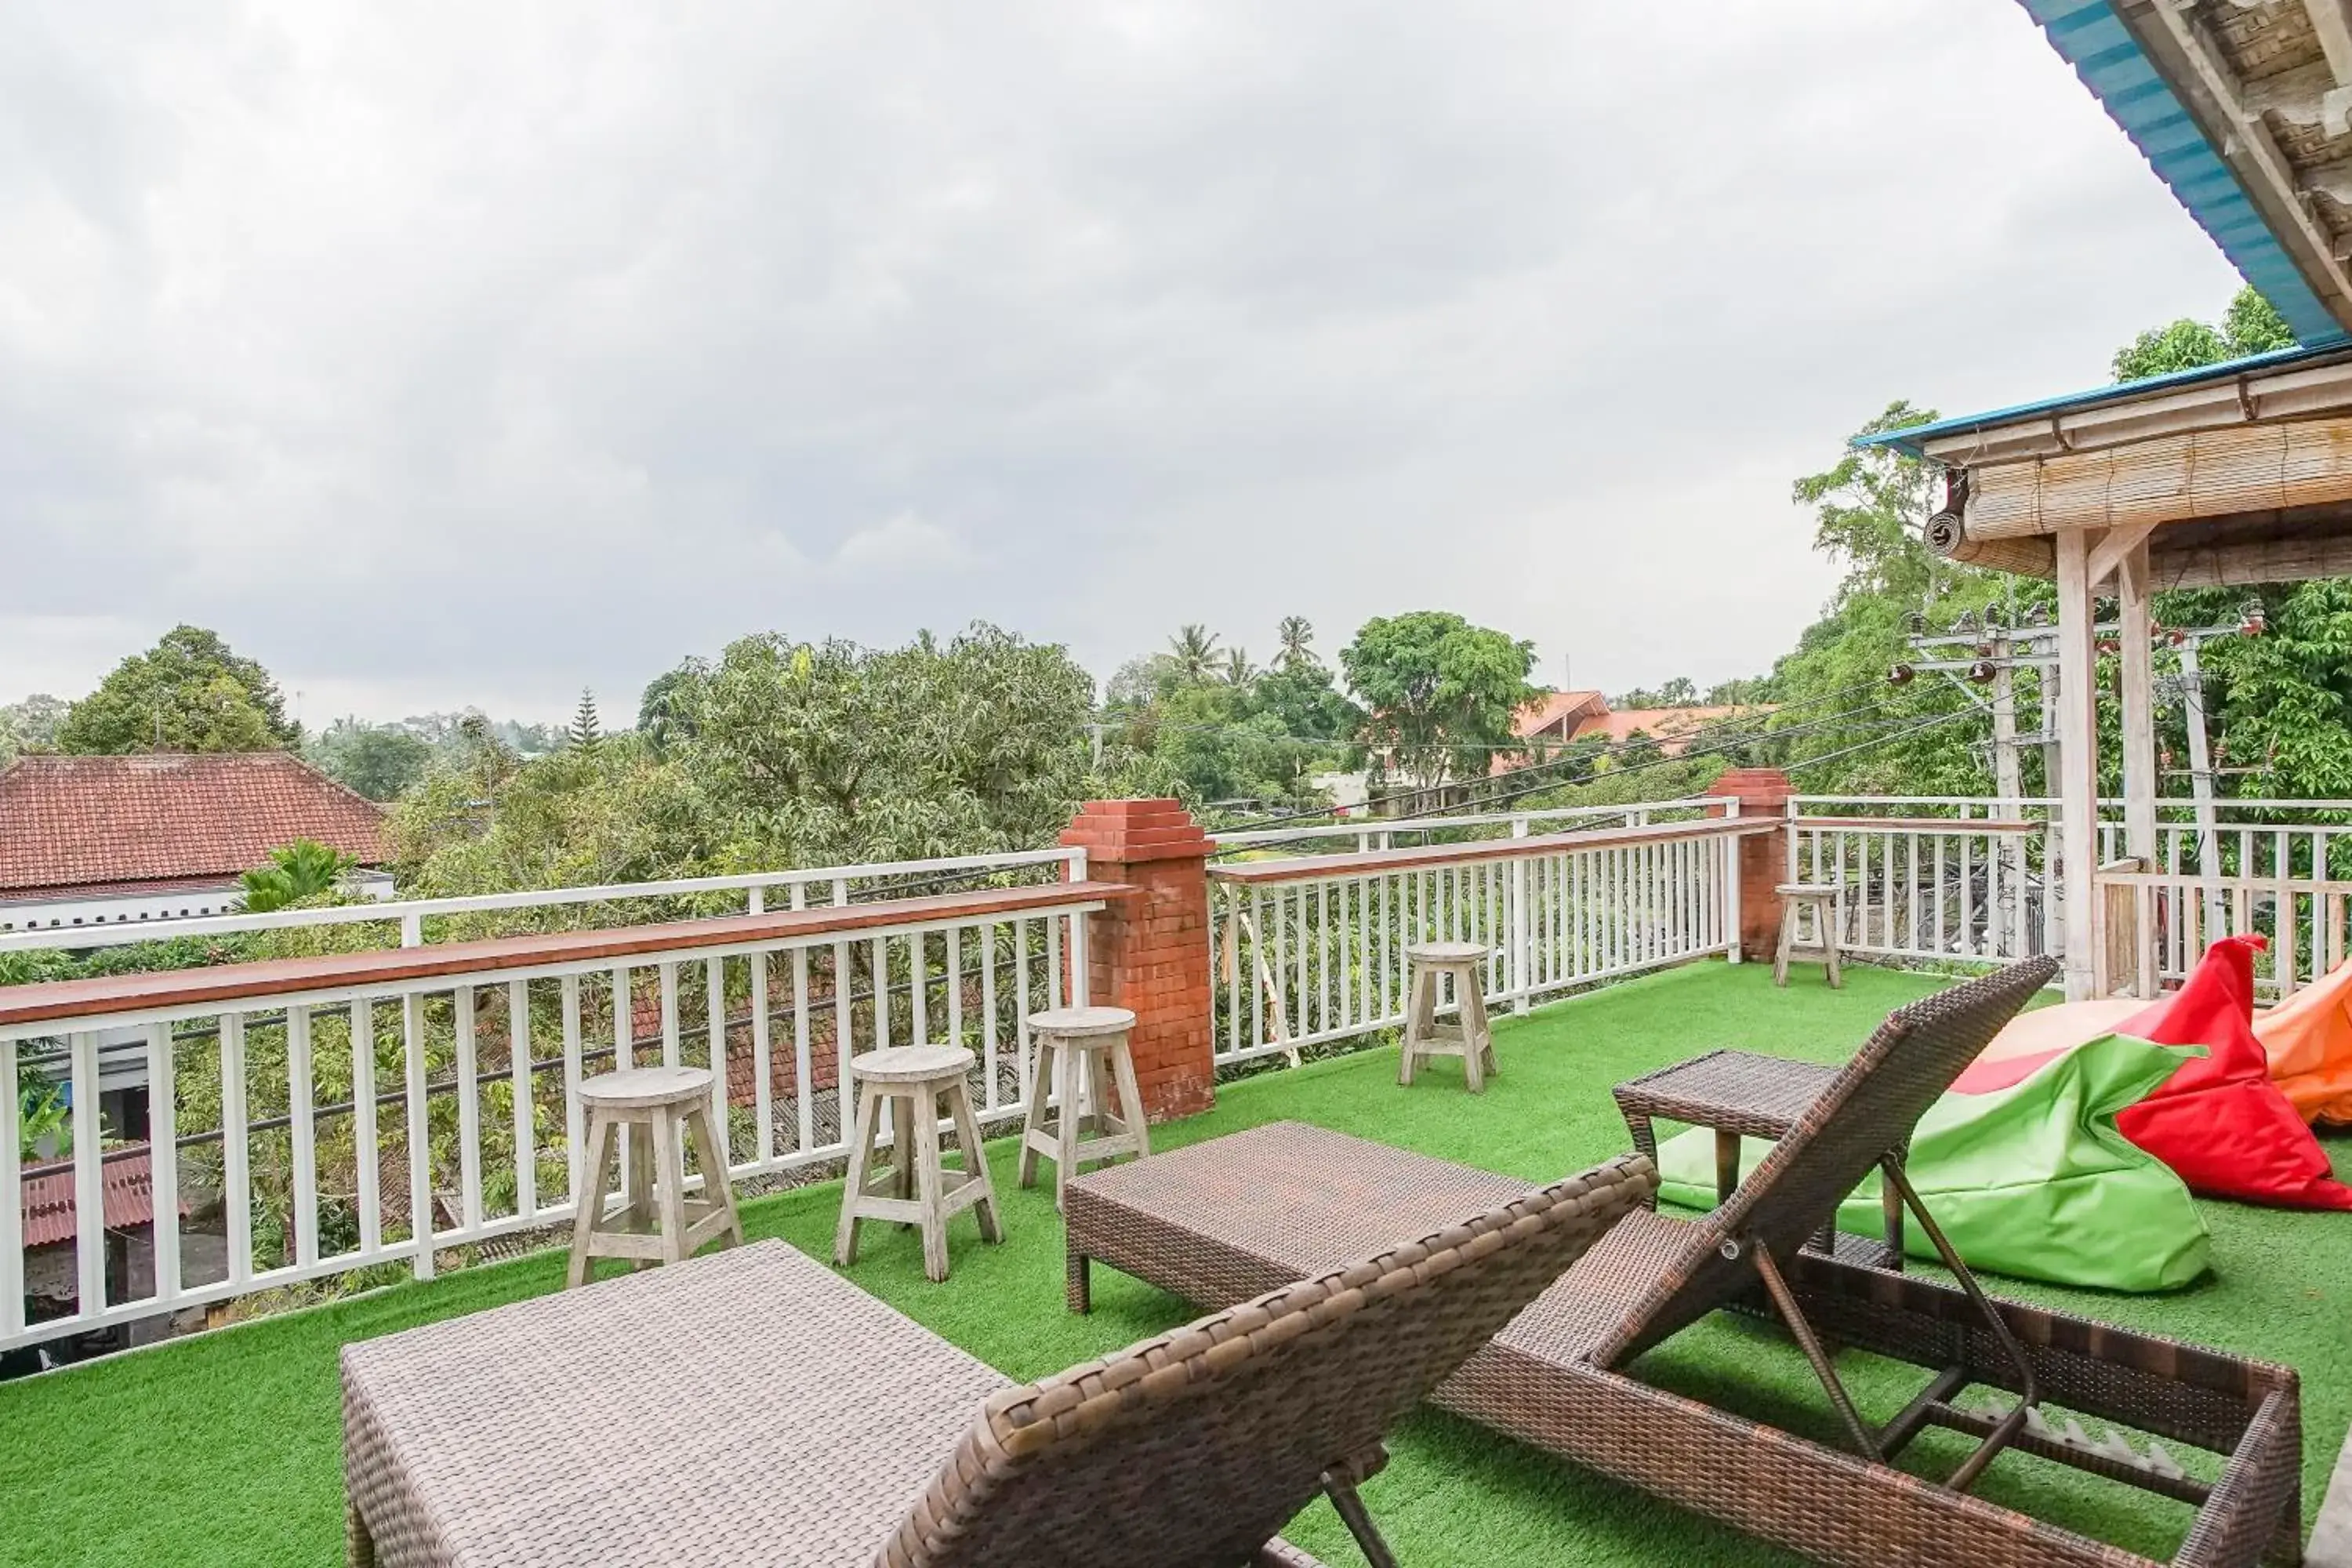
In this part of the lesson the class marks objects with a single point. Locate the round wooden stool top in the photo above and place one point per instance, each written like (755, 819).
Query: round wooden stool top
(1081, 1023)
(643, 1089)
(1447, 952)
(911, 1064)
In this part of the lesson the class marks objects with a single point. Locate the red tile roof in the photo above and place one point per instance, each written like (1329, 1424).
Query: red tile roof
(87, 822)
(1547, 712)
(128, 1183)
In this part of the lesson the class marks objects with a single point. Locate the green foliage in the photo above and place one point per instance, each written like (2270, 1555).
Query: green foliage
(379, 761)
(188, 693)
(587, 729)
(42, 1114)
(1194, 649)
(1296, 640)
(1440, 693)
(664, 713)
(2251, 327)
(29, 725)
(1679, 692)
(1869, 510)
(302, 872)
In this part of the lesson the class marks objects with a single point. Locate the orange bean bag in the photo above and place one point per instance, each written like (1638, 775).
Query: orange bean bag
(2308, 1038)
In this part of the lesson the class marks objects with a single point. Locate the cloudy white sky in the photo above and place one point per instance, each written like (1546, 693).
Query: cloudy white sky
(467, 354)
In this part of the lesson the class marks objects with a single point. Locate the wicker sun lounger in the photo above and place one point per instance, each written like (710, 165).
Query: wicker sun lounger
(755, 1410)
(1218, 1220)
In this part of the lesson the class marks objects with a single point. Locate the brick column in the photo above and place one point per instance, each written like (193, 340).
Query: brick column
(1763, 794)
(1150, 950)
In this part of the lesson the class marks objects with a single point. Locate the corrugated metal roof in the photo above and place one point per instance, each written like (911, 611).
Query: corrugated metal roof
(2088, 36)
(1908, 441)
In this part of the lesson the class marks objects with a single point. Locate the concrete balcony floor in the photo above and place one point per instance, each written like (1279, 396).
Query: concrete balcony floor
(225, 1448)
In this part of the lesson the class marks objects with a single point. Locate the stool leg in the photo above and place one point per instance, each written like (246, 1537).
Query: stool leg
(930, 1183)
(1040, 1084)
(641, 1170)
(1788, 941)
(716, 1184)
(596, 1172)
(1420, 1017)
(1478, 1038)
(1132, 1120)
(901, 1107)
(669, 1155)
(1068, 1065)
(861, 1161)
(976, 1161)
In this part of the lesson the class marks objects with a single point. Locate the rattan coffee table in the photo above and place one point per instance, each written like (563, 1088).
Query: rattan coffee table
(1742, 1094)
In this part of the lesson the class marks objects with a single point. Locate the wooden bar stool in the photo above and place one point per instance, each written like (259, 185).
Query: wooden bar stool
(916, 1189)
(1082, 1052)
(1469, 1036)
(657, 1109)
(1827, 901)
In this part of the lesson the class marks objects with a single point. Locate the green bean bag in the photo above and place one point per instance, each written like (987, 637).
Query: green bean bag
(2022, 1167)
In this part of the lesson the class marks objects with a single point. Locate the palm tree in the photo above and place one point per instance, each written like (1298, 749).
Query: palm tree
(1239, 671)
(1298, 639)
(1194, 649)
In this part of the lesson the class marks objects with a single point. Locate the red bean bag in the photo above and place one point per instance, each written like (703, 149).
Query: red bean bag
(2219, 1122)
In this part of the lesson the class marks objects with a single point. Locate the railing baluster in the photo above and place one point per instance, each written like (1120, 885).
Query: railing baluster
(672, 1054)
(420, 1136)
(88, 1176)
(526, 1099)
(12, 1201)
(919, 982)
(1021, 1007)
(365, 1139)
(574, 1113)
(989, 1031)
(236, 1169)
(163, 1167)
(763, 1088)
(469, 1116)
(302, 1105)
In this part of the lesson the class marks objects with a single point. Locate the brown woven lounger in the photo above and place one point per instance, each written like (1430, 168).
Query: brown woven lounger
(755, 1409)
(1215, 1222)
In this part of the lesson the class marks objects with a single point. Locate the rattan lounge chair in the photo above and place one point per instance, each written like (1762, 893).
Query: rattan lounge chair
(1215, 1221)
(755, 1409)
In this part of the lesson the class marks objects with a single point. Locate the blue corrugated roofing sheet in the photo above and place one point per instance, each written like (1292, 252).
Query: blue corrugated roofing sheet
(2089, 35)
(1908, 441)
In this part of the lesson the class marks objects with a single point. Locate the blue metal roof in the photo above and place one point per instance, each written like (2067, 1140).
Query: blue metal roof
(1908, 441)
(2089, 35)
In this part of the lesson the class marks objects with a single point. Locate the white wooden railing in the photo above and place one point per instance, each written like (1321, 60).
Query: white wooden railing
(1949, 877)
(1375, 833)
(1309, 949)
(317, 1116)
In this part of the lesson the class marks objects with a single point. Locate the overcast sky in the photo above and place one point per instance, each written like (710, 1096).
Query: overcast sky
(470, 353)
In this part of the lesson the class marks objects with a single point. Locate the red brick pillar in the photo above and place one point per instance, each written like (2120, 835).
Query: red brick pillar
(1150, 950)
(1763, 796)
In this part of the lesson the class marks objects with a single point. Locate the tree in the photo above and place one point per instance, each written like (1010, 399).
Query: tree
(1870, 508)
(1297, 642)
(187, 693)
(1238, 669)
(664, 714)
(302, 870)
(379, 761)
(586, 729)
(1440, 693)
(29, 725)
(1194, 649)
(2251, 326)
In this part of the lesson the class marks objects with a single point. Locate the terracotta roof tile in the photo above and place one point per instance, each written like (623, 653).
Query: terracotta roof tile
(77, 822)
(127, 1183)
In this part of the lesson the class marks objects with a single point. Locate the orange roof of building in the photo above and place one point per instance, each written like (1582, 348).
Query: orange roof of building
(126, 1197)
(1660, 724)
(1554, 706)
(85, 823)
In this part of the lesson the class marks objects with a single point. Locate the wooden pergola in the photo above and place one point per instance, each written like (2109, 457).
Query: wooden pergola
(2234, 473)
(2237, 474)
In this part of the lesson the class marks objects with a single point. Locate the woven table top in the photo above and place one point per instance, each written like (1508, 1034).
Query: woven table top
(1738, 1090)
(1300, 1196)
(750, 1408)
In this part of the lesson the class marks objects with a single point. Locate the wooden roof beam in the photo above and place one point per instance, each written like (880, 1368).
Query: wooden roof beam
(2199, 71)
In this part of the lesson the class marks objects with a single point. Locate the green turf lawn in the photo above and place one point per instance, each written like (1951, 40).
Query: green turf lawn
(225, 1448)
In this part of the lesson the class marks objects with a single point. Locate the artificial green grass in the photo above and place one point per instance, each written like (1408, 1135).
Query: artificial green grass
(225, 1448)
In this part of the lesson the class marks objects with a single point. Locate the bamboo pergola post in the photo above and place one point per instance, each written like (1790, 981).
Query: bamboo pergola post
(2138, 658)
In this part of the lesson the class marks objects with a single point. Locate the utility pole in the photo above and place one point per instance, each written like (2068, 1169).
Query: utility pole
(2200, 780)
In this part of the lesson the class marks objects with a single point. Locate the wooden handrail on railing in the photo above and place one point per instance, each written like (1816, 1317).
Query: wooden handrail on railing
(109, 995)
